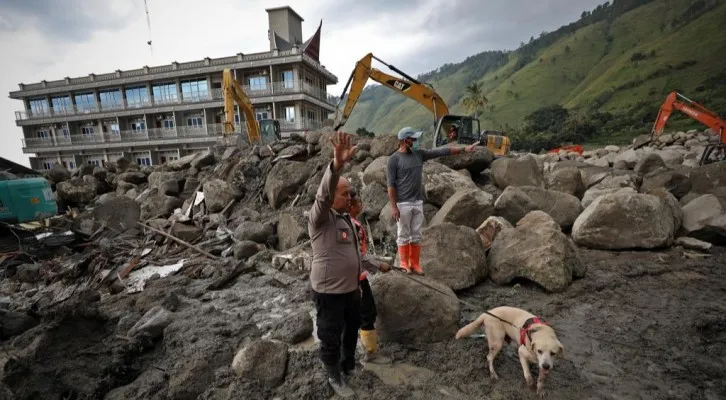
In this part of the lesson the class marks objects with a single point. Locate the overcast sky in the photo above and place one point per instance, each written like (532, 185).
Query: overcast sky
(52, 39)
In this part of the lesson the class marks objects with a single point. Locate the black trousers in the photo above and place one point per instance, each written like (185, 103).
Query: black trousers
(368, 311)
(338, 320)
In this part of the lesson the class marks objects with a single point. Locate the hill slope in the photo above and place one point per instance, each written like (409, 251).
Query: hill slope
(620, 59)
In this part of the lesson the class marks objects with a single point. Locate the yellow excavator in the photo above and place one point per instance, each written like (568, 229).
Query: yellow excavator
(233, 93)
(466, 129)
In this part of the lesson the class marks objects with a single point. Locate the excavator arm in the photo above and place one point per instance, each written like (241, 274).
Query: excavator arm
(676, 101)
(407, 86)
(233, 93)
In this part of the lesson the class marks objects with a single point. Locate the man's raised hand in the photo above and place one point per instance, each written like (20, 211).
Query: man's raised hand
(342, 149)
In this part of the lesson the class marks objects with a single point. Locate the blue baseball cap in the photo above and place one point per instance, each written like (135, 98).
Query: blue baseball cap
(409, 132)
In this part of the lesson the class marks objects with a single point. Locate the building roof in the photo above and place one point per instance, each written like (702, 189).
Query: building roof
(16, 169)
(285, 8)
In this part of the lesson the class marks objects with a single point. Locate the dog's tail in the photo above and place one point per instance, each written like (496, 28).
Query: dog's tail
(472, 327)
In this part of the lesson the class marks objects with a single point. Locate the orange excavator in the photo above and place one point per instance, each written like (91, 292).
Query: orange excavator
(677, 101)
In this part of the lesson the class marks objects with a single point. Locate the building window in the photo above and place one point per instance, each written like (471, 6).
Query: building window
(62, 104)
(311, 115)
(261, 113)
(87, 130)
(48, 164)
(258, 82)
(290, 113)
(85, 101)
(39, 107)
(137, 97)
(115, 130)
(110, 99)
(43, 134)
(63, 131)
(195, 90)
(138, 126)
(236, 119)
(96, 162)
(287, 79)
(165, 93)
(143, 160)
(169, 124)
(195, 121)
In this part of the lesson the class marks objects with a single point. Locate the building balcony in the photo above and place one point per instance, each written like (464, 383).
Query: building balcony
(151, 137)
(263, 93)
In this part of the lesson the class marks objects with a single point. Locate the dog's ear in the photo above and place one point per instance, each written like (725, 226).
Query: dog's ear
(561, 351)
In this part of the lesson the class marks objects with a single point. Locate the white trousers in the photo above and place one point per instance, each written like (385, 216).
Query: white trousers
(409, 223)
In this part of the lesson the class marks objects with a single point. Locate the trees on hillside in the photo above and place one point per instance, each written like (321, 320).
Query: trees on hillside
(475, 100)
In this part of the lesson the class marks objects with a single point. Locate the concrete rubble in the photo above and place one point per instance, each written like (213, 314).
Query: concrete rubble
(189, 280)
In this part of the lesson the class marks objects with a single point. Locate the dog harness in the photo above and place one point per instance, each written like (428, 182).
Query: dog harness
(524, 330)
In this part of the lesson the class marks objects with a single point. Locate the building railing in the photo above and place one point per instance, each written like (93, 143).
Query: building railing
(268, 89)
(142, 135)
(175, 66)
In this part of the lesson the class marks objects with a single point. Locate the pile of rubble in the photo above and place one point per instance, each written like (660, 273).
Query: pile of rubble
(214, 218)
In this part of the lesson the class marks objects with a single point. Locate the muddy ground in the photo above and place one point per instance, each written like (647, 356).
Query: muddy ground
(640, 325)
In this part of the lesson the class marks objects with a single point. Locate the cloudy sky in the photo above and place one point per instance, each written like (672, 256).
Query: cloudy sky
(52, 39)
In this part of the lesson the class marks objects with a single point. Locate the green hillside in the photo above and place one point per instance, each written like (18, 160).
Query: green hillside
(615, 65)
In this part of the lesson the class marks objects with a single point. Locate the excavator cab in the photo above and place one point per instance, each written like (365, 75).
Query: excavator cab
(270, 130)
(456, 129)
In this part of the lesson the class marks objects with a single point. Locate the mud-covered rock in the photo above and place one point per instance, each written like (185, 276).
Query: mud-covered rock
(698, 212)
(675, 182)
(625, 220)
(383, 145)
(254, 231)
(453, 254)
(246, 249)
(535, 250)
(408, 314)
(708, 177)
(156, 203)
(152, 324)
(285, 179)
(13, 323)
(169, 183)
(468, 207)
(217, 194)
(294, 328)
(76, 191)
(523, 171)
(374, 197)
(186, 232)
(58, 174)
(290, 231)
(263, 361)
(135, 177)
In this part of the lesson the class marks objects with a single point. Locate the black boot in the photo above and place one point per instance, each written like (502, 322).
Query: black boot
(336, 381)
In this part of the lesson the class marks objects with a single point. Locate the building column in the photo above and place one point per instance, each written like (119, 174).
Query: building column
(206, 123)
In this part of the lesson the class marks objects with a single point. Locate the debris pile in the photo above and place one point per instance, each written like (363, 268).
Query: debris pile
(189, 279)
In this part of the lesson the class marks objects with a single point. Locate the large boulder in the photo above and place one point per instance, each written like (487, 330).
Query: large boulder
(118, 214)
(76, 191)
(474, 162)
(441, 182)
(698, 213)
(468, 207)
(170, 183)
(285, 179)
(523, 171)
(706, 178)
(489, 229)
(453, 255)
(217, 194)
(673, 181)
(410, 313)
(566, 180)
(376, 171)
(625, 220)
(535, 250)
(374, 197)
(154, 203)
(58, 174)
(383, 145)
(516, 202)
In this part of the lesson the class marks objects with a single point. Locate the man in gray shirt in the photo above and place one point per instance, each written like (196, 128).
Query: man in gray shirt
(406, 193)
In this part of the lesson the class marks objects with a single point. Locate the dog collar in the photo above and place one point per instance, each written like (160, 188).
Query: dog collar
(524, 330)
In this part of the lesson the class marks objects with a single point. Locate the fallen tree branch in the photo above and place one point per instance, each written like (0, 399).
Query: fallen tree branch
(191, 246)
(223, 281)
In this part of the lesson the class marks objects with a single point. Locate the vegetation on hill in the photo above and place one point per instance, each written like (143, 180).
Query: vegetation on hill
(604, 75)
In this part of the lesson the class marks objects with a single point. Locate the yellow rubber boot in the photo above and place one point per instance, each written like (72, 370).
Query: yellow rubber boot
(369, 339)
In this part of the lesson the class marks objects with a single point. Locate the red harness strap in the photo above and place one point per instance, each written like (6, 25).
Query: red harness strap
(527, 327)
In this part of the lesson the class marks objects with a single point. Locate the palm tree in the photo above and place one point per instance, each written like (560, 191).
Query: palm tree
(475, 100)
